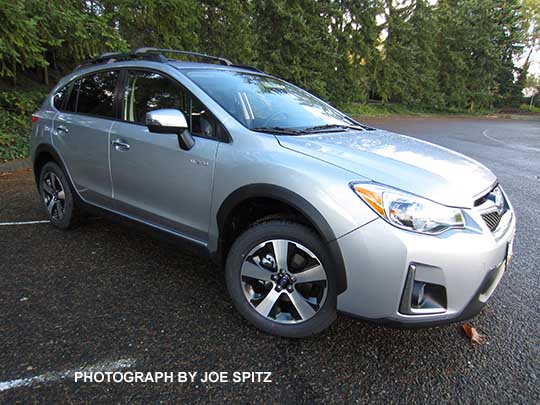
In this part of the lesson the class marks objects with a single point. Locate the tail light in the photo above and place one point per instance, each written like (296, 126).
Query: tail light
(35, 118)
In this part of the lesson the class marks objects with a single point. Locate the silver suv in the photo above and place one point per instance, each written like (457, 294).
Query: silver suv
(309, 211)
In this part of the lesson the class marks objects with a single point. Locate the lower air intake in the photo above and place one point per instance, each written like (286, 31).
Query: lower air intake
(492, 220)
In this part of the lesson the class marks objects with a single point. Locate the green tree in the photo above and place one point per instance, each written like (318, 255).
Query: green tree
(451, 52)
(294, 42)
(423, 84)
(509, 38)
(531, 27)
(21, 45)
(478, 42)
(73, 30)
(398, 60)
(226, 29)
(356, 34)
(160, 23)
(409, 73)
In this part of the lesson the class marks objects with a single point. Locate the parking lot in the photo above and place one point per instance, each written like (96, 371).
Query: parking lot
(104, 297)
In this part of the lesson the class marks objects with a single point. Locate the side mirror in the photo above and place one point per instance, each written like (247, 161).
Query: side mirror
(170, 121)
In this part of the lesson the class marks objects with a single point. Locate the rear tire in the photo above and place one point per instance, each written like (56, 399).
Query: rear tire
(58, 196)
(297, 302)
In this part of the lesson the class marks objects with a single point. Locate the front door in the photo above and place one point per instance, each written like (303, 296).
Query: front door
(153, 179)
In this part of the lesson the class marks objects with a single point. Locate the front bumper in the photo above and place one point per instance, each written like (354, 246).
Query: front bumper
(379, 258)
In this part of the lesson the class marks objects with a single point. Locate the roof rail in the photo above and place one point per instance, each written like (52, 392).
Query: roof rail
(148, 50)
(110, 57)
(156, 55)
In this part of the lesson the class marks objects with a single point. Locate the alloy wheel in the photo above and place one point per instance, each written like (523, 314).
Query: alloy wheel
(54, 196)
(284, 281)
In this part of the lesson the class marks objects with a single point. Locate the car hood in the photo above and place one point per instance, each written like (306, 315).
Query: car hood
(400, 161)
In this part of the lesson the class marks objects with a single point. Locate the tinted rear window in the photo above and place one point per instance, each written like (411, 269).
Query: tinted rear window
(96, 94)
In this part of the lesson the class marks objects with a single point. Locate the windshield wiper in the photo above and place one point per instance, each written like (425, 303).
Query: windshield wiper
(321, 128)
(277, 130)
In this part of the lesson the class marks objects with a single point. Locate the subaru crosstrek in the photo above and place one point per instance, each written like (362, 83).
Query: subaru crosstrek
(309, 211)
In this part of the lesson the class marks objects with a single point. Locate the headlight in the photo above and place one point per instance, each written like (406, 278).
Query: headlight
(408, 211)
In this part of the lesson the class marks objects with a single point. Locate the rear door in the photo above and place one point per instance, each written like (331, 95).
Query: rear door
(81, 134)
(153, 179)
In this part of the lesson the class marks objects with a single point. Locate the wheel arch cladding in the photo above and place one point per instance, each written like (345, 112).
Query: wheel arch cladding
(296, 202)
(45, 153)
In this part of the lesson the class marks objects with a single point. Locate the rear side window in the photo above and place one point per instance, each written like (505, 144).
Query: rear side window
(147, 91)
(96, 94)
(60, 97)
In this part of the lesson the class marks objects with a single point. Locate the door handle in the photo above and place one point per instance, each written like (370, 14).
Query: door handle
(62, 128)
(119, 145)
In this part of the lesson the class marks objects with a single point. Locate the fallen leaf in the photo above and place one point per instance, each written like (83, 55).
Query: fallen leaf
(473, 334)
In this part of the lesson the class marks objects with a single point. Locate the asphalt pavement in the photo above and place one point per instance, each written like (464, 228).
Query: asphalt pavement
(103, 297)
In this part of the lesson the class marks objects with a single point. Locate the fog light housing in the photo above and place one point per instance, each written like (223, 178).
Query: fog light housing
(421, 297)
(417, 296)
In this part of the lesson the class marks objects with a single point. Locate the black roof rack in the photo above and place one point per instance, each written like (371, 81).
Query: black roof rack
(110, 57)
(147, 50)
(156, 55)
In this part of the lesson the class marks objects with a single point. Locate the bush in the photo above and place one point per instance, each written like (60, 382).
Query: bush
(529, 108)
(16, 108)
(377, 109)
(386, 109)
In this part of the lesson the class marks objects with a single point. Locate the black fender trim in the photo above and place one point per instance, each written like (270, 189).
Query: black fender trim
(262, 190)
(50, 150)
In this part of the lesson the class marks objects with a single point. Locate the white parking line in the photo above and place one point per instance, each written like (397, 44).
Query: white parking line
(484, 132)
(52, 376)
(45, 221)
(520, 147)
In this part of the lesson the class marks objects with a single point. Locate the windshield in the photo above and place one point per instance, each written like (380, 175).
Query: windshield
(262, 102)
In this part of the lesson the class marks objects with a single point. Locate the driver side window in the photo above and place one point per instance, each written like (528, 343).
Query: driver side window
(147, 91)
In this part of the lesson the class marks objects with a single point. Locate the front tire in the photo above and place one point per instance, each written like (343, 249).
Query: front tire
(279, 277)
(58, 197)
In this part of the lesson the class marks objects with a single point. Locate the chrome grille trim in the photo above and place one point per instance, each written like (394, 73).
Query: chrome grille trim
(492, 207)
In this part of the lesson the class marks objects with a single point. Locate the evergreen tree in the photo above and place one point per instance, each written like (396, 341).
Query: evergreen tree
(510, 39)
(160, 23)
(356, 34)
(449, 54)
(398, 57)
(423, 84)
(85, 31)
(410, 67)
(21, 46)
(452, 40)
(226, 29)
(478, 43)
(294, 42)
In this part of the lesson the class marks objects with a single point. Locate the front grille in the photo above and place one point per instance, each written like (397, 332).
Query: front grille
(492, 220)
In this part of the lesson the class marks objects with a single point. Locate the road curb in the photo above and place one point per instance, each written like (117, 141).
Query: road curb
(519, 117)
(14, 165)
